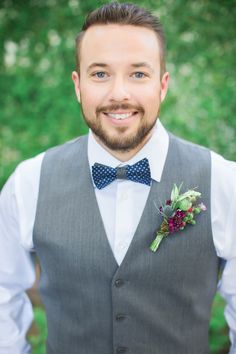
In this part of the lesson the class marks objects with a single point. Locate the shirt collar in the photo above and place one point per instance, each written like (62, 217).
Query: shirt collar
(155, 150)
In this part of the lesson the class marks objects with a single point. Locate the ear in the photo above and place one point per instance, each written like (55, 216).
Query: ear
(164, 85)
(75, 78)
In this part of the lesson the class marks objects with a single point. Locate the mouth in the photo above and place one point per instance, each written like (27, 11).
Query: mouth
(120, 115)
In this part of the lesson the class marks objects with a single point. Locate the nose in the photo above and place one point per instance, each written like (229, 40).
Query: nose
(119, 91)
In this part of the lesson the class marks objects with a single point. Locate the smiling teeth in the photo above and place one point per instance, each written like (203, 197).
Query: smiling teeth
(120, 116)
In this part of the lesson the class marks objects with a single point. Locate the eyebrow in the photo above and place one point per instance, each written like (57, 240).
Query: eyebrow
(135, 65)
(141, 65)
(93, 65)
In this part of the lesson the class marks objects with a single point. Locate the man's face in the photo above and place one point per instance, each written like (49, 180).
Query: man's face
(119, 87)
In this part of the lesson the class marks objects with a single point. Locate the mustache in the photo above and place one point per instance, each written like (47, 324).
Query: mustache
(117, 107)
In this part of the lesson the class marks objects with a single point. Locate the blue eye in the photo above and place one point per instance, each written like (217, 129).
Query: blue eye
(100, 74)
(139, 75)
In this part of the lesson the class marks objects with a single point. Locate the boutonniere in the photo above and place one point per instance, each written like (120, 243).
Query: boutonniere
(177, 212)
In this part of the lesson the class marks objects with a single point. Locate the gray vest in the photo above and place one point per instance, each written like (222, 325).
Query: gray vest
(153, 303)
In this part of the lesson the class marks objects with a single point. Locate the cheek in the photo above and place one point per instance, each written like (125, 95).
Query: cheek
(88, 100)
(149, 91)
(150, 98)
(92, 97)
(154, 91)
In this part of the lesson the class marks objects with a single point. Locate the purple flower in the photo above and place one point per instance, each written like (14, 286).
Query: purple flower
(176, 222)
(177, 212)
(202, 207)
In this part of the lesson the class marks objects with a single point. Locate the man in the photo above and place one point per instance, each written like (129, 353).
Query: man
(104, 290)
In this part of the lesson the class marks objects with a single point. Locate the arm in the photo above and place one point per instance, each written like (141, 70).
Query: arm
(227, 289)
(16, 275)
(227, 285)
(223, 200)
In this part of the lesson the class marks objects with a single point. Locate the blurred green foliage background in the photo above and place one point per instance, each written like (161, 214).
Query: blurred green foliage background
(37, 100)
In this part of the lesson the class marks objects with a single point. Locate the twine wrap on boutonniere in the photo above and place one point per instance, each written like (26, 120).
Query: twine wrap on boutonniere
(178, 211)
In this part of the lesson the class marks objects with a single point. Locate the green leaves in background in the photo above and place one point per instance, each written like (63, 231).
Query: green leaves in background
(37, 340)
(219, 338)
(38, 104)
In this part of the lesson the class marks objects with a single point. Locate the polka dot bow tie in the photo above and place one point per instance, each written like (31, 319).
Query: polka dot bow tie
(104, 175)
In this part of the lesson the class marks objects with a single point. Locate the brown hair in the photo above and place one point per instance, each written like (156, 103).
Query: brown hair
(123, 14)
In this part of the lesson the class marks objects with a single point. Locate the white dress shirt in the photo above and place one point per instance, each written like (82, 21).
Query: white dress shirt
(121, 204)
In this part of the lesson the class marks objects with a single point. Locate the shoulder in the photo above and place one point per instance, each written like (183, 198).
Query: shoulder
(219, 163)
(26, 179)
(29, 166)
(192, 157)
(26, 176)
(224, 176)
(29, 169)
(71, 147)
(223, 201)
(187, 145)
(224, 169)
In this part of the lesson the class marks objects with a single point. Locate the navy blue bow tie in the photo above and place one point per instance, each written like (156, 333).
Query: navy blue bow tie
(104, 175)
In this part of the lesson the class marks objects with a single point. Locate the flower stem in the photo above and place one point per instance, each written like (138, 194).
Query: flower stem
(155, 243)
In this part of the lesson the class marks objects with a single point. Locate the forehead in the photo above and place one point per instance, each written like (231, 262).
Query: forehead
(119, 43)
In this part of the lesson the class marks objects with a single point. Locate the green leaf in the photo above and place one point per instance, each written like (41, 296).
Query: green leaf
(174, 193)
(184, 204)
(197, 210)
(190, 194)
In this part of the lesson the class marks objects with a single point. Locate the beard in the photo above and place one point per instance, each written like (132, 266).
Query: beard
(121, 142)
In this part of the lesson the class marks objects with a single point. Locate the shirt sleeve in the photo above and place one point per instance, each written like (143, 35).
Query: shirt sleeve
(223, 226)
(17, 273)
(227, 285)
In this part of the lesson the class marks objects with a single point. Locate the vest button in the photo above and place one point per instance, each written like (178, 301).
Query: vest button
(119, 283)
(120, 317)
(121, 350)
